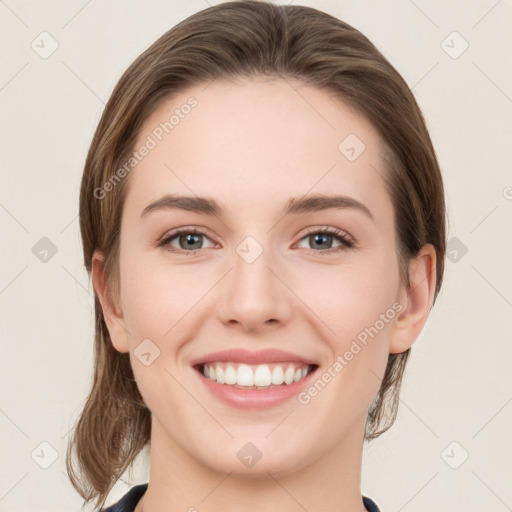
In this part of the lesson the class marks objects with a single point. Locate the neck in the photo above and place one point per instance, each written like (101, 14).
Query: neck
(179, 482)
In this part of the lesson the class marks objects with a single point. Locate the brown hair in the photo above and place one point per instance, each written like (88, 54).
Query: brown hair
(242, 39)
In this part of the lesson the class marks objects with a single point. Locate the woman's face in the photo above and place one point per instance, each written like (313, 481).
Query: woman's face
(264, 282)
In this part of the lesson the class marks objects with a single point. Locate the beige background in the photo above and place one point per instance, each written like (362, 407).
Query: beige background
(457, 394)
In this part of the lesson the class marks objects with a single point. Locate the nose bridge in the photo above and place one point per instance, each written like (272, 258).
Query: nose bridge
(254, 296)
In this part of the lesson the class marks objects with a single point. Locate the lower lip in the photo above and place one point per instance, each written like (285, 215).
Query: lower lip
(254, 398)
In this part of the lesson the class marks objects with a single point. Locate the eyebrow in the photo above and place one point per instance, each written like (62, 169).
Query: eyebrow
(295, 205)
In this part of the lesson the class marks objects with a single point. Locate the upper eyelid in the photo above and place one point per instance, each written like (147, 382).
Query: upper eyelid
(332, 231)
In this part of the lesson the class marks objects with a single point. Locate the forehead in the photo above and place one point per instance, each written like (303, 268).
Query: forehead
(259, 141)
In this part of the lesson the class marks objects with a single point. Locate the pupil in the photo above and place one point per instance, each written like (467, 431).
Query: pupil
(191, 239)
(318, 238)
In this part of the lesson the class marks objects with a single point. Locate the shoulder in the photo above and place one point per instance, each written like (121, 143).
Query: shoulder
(370, 505)
(129, 501)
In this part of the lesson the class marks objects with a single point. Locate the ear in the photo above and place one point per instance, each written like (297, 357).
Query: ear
(416, 299)
(112, 312)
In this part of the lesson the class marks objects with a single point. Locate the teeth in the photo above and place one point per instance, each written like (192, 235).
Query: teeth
(256, 376)
(262, 376)
(244, 376)
(288, 375)
(230, 375)
(278, 375)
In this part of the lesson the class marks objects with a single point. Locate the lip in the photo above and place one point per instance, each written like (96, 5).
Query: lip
(238, 355)
(255, 398)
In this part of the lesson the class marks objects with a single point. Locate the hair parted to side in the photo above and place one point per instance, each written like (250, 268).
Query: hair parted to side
(242, 39)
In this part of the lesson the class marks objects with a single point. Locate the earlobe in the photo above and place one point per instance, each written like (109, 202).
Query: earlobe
(417, 300)
(112, 312)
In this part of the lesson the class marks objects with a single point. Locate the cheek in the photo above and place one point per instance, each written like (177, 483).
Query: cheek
(352, 298)
(359, 307)
(156, 297)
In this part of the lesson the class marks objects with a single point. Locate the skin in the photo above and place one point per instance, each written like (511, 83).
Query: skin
(251, 146)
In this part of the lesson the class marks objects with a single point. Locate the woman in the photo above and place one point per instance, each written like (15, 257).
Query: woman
(252, 360)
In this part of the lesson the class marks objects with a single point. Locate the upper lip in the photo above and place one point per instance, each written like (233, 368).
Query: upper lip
(238, 355)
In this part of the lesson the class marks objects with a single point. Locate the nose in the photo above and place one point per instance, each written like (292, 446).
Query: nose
(254, 296)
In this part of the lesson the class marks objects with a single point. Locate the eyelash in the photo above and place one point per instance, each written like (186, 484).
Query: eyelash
(342, 237)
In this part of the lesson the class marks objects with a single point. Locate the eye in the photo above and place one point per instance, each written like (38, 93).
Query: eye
(189, 241)
(323, 238)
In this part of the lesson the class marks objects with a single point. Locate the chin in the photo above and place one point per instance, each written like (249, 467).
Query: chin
(256, 460)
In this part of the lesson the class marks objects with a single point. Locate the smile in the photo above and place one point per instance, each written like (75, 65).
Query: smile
(261, 376)
(254, 379)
